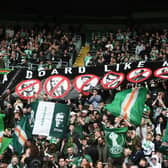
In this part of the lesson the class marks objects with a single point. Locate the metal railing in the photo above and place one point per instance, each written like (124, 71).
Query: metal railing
(31, 66)
(78, 44)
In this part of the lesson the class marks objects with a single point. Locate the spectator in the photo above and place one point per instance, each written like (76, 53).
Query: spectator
(148, 146)
(138, 154)
(78, 160)
(87, 59)
(62, 163)
(84, 163)
(14, 162)
(84, 144)
(127, 160)
(143, 163)
(157, 142)
(154, 163)
(32, 157)
(139, 48)
(70, 156)
(95, 98)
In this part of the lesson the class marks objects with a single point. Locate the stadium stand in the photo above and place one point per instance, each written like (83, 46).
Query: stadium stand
(84, 144)
(127, 45)
(38, 47)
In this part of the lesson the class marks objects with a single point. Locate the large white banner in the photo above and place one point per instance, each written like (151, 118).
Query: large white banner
(43, 119)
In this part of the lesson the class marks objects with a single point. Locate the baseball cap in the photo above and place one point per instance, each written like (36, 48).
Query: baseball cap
(84, 111)
(72, 113)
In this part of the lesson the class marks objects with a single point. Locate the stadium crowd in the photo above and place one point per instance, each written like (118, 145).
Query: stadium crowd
(44, 47)
(129, 45)
(84, 145)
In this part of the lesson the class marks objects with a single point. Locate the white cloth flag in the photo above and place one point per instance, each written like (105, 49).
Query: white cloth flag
(50, 118)
(43, 119)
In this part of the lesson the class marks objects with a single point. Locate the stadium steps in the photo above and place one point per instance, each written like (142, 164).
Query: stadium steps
(80, 58)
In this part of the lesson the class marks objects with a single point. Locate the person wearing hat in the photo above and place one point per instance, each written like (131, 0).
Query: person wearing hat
(72, 113)
(85, 116)
(154, 162)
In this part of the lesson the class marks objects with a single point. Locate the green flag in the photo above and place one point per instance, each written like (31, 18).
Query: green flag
(22, 133)
(1, 128)
(129, 104)
(2, 122)
(115, 138)
(5, 143)
(51, 119)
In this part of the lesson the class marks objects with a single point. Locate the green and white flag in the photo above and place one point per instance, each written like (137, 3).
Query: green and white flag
(115, 139)
(1, 136)
(1, 128)
(5, 143)
(22, 133)
(51, 119)
(129, 104)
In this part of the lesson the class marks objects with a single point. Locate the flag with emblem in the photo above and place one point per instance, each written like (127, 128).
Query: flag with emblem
(22, 133)
(115, 138)
(129, 104)
(50, 119)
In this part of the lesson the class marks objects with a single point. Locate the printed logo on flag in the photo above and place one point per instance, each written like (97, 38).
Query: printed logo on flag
(112, 80)
(116, 143)
(139, 75)
(28, 88)
(57, 86)
(85, 83)
(162, 73)
(59, 120)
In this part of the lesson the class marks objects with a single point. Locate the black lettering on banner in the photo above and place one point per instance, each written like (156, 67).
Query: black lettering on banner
(27, 83)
